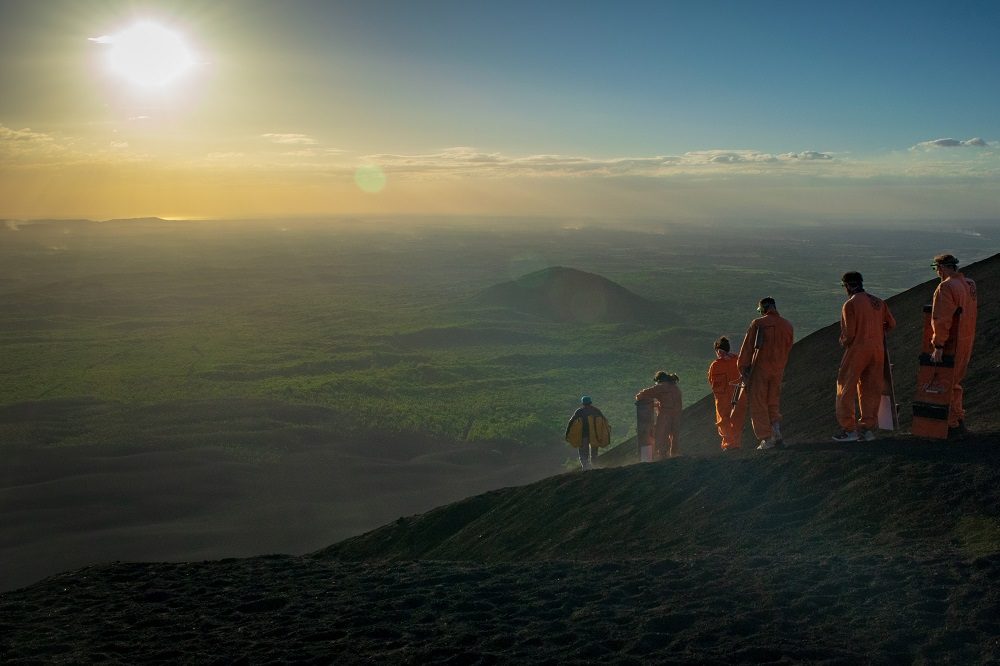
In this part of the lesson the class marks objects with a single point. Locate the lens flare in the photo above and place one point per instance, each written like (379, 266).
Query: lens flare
(369, 178)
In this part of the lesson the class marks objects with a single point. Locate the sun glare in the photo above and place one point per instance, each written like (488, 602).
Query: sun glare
(148, 55)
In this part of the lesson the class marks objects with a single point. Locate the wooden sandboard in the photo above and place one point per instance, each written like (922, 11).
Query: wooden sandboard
(644, 434)
(888, 410)
(934, 386)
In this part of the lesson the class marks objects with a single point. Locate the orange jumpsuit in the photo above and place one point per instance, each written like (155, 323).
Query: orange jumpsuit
(953, 293)
(723, 377)
(765, 378)
(667, 399)
(864, 321)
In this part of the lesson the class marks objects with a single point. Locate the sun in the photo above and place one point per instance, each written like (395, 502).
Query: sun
(148, 55)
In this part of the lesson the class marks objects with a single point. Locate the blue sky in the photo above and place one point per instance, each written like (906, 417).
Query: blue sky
(510, 107)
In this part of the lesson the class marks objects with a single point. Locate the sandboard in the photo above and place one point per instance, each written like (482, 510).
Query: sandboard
(888, 410)
(934, 386)
(645, 419)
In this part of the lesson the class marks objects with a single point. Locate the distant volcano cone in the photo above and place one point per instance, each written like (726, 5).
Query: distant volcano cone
(570, 295)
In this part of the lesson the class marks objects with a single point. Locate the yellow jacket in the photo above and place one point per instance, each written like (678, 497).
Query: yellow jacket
(589, 422)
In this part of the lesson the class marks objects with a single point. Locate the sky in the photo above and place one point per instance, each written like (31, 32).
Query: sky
(778, 110)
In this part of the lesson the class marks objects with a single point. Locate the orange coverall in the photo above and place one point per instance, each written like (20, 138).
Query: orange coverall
(864, 321)
(723, 377)
(666, 397)
(765, 378)
(953, 293)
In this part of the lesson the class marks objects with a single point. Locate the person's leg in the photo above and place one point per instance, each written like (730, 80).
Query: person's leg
(584, 451)
(737, 419)
(758, 398)
(847, 391)
(870, 384)
(722, 419)
(956, 410)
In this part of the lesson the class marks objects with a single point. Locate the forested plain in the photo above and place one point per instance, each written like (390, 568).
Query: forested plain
(383, 322)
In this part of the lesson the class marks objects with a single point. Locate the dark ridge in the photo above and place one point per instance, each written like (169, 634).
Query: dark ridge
(896, 495)
(569, 295)
(827, 554)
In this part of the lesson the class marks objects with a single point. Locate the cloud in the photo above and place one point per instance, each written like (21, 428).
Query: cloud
(464, 160)
(951, 143)
(807, 155)
(290, 139)
(26, 135)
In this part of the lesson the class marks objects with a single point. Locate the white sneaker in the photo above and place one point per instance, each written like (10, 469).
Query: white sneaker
(845, 436)
(868, 435)
(766, 444)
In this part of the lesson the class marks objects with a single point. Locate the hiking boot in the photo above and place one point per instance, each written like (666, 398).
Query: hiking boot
(845, 436)
(779, 440)
(867, 435)
(766, 444)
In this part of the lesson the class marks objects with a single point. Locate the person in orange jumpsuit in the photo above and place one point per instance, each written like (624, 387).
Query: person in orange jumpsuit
(666, 398)
(864, 321)
(762, 360)
(956, 295)
(724, 378)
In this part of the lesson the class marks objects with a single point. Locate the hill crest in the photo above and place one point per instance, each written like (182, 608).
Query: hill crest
(563, 294)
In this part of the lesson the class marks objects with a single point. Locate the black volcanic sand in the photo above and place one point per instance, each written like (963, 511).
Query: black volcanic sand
(886, 553)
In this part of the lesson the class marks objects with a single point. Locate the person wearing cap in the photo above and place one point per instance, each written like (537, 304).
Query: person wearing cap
(954, 297)
(762, 360)
(864, 321)
(724, 378)
(587, 431)
(666, 398)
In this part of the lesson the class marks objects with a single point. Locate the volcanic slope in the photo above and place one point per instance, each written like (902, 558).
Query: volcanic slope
(829, 553)
(882, 552)
(565, 294)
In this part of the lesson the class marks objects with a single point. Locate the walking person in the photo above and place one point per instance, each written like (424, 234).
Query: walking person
(762, 360)
(724, 378)
(587, 431)
(955, 298)
(666, 398)
(864, 321)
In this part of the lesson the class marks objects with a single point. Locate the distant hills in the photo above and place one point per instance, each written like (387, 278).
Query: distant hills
(569, 295)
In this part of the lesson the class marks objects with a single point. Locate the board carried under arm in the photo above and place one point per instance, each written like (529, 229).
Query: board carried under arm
(935, 382)
(888, 410)
(645, 419)
(744, 383)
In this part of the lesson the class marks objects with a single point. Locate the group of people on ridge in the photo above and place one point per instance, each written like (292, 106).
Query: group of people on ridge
(752, 377)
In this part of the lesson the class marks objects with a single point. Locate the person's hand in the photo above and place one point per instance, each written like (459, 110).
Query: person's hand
(936, 355)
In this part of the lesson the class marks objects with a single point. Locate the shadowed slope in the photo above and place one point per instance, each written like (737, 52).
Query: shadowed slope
(896, 495)
(824, 554)
(570, 295)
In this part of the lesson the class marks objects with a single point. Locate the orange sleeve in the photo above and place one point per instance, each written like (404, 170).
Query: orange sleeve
(746, 349)
(675, 404)
(888, 322)
(848, 323)
(942, 313)
(718, 377)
